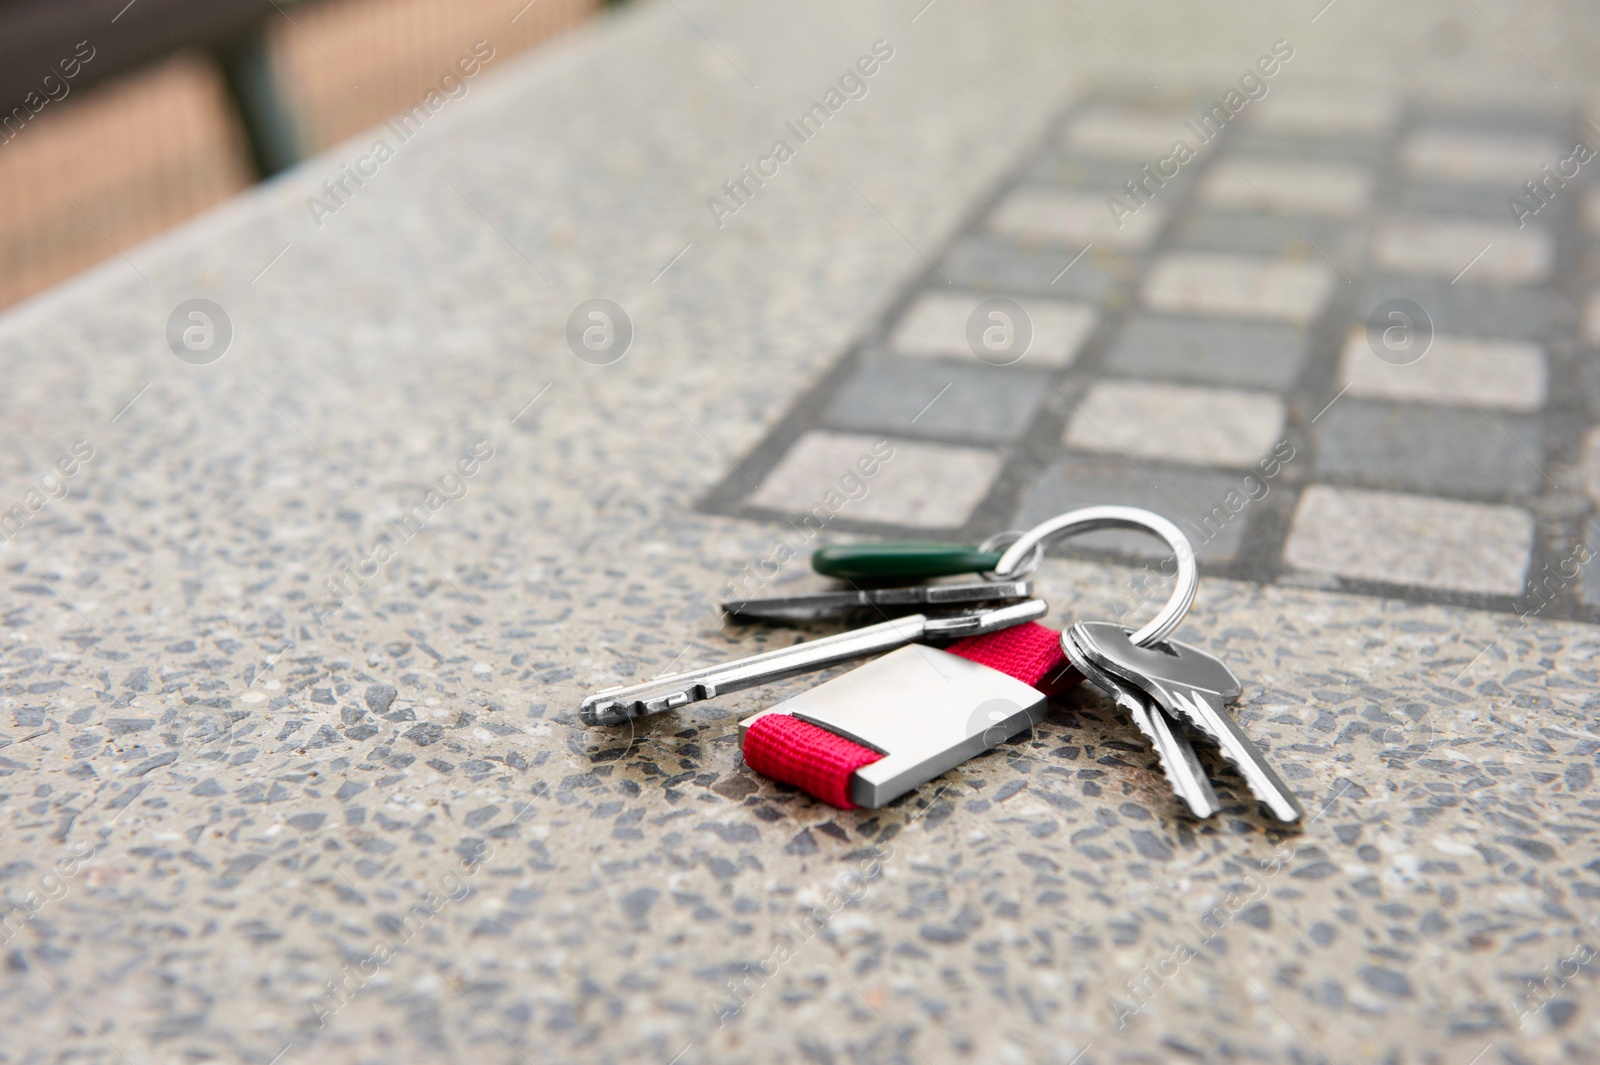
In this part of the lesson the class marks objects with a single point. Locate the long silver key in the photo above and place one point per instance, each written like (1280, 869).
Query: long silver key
(1172, 747)
(616, 705)
(1191, 684)
(806, 605)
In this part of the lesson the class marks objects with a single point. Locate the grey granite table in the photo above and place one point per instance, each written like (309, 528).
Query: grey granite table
(271, 795)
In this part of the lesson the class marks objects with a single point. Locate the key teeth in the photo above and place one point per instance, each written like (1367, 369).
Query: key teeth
(594, 711)
(603, 713)
(1201, 806)
(1182, 705)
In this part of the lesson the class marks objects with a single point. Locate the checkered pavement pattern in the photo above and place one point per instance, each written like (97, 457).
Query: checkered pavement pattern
(1210, 357)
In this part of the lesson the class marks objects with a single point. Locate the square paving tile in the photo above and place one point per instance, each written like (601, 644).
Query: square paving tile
(1321, 112)
(1135, 135)
(1176, 423)
(1265, 234)
(1067, 168)
(947, 401)
(1468, 310)
(1589, 586)
(1486, 202)
(1590, 465)
(1478, 252)
(1295, 188)
(1456, 451)
(1456, 371)
(1211, 508)
(1550, 120)
(1354, 149)
(1073, 218)
(995, 265)
(1199, 283)
(936, 325)
(1411, 540)
(1442, 154)
(1214, 351)
(918, 484)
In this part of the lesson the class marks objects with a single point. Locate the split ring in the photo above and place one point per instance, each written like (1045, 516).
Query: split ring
(1091, 519)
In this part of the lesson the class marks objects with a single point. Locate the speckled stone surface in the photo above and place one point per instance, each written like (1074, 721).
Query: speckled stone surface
(240, 826)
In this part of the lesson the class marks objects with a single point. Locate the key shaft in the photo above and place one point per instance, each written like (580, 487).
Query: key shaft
(616, 705)
(1178, 761)
(1206, 712)
(833, 603)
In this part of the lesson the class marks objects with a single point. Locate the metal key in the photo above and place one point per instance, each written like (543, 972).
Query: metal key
(1177, 757)
(1196, 686)
(888, 601)
(616, 705)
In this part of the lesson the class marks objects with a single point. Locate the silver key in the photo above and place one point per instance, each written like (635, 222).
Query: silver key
(616, 705)
(1196, 686)
(808, 605)
(1177, 757)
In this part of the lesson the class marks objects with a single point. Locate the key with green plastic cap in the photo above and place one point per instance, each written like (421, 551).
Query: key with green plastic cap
(900, 560)
(914, 560)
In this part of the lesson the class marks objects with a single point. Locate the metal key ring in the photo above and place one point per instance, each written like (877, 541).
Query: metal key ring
(1091, 519)
(1001, 540)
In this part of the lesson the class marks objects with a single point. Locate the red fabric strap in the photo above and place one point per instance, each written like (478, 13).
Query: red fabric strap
(820, 762)
(1030, 652)
(816, 761)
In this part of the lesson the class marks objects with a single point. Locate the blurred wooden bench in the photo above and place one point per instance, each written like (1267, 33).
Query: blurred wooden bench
(182, 103)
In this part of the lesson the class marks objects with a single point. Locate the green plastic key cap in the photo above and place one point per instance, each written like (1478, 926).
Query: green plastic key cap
(903, 560)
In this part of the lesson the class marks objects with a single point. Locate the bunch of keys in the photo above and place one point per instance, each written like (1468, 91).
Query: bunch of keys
(978, 607)
(614, 706)
(914, 713)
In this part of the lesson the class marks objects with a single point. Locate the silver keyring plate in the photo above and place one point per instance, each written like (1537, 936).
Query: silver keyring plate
(1092, 519)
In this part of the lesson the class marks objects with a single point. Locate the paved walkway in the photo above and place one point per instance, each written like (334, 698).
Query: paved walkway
(300, 617)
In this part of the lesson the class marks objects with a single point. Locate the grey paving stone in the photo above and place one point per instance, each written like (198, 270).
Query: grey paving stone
(1210, 350)
(1589, 385)
(1476, 251)
(1215, 427)
(1070, 169)
(1294, 187)
(1589, 585)
(1346, 149)
(1589, 465)
(1307, 110)
(1490, 119)
(988, 263)
(1453, 153)
(1486, 311)
(1262, 232)
(1451, 451)
(936, 325)
(1456, 372)
(1486, 202)
(1077, 219)
(1125, 131)
(1409, 539)
(872, 478)
(1239, 286)
(1211, 508)
(944, 401)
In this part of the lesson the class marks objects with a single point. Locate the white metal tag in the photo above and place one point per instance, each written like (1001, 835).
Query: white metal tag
(925, 709)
